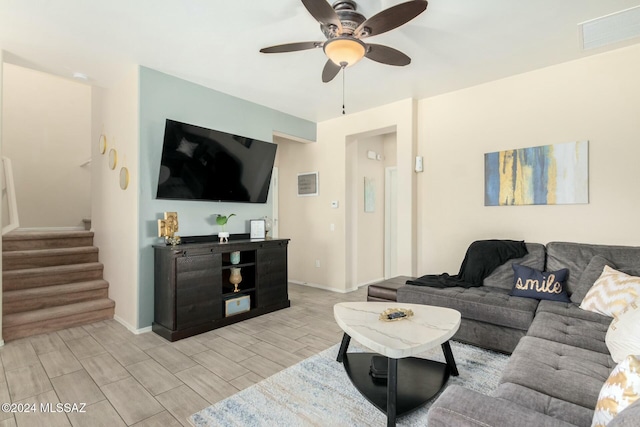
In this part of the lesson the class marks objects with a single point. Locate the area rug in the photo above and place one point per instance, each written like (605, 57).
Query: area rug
(317, 392)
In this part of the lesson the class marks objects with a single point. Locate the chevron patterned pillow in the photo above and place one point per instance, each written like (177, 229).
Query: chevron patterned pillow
(618, 392)
(623, 335)
(611, 293)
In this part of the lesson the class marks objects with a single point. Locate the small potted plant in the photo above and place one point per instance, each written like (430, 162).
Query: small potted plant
(221, 220)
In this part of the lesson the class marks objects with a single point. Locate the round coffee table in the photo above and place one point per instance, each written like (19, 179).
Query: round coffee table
(411, 382)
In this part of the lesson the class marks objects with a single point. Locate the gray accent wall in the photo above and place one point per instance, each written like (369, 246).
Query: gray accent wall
(166, 97)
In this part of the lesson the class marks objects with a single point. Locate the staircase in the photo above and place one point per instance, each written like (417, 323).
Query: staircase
(51, 281)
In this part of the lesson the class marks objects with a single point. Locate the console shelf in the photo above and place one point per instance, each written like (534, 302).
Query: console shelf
(192, 281)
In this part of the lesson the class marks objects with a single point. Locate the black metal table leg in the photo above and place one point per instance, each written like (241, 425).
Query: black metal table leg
(448, 355)
(392, 391)
(343, 347)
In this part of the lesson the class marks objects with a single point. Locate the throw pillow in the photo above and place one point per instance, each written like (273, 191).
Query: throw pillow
(619, 391)
(187, 147)
(623, 335)
(531, 283)
(590, 274)
(611, 293)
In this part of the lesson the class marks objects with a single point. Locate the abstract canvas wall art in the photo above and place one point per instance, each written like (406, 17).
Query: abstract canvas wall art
(546, 175)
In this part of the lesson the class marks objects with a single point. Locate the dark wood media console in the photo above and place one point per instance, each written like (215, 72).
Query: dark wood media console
(192, 283)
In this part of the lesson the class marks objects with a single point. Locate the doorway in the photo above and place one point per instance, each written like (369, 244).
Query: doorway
(391, 222)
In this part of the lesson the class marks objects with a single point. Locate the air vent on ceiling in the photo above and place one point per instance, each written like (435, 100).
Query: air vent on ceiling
(610, 29)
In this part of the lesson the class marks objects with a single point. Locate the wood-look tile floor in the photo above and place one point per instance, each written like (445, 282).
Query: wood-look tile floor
(122, 379)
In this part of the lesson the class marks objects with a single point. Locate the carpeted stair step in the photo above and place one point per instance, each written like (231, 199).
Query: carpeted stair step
(18, 260)
(51, 296)
(52, 319)
(46, 276)
(28, 240)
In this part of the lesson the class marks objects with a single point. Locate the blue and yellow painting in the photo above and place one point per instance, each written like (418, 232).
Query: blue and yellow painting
(547, 175)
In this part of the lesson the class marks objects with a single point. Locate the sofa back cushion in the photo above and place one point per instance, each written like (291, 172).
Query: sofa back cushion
(502, 277)
(576, 257)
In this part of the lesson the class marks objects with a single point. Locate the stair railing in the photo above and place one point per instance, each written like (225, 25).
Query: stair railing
(10, 213)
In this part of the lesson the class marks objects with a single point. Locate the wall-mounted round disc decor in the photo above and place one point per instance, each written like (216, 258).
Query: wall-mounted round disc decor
(113, 158)
(103, 144)
(124, 178)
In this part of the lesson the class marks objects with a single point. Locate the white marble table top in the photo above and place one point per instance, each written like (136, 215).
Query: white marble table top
(429, 326)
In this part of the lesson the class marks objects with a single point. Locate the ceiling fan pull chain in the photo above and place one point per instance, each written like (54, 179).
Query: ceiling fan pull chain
(344, 71)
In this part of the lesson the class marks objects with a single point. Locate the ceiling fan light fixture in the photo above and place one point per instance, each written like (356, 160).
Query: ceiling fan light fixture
(345, 50)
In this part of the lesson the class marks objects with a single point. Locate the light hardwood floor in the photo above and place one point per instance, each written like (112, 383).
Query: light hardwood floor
(144, 380)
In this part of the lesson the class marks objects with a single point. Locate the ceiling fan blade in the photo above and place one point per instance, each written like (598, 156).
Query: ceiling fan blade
(391, 18)
(330, 71)
(386, 55)
(323, 12)
(291, 47)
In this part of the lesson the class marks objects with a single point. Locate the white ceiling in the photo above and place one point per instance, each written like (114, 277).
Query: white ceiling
(454, 44)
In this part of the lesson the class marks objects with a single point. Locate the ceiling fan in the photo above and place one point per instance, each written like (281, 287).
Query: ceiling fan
(345, 28)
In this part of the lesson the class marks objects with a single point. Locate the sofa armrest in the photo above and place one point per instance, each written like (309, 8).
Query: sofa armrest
(629, 416)
(462, 407)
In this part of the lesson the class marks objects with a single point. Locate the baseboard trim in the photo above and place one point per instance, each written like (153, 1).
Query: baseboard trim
(326, 288)
(371, 282)
(1, 343)
(131, 328)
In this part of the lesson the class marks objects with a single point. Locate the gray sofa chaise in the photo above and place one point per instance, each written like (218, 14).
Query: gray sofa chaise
(559, 362)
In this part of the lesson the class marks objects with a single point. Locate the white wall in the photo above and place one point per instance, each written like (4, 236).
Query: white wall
(596, 98)
(47, 133)
(115, 211)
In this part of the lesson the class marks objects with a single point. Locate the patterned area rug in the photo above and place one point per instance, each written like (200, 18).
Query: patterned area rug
(317, 392)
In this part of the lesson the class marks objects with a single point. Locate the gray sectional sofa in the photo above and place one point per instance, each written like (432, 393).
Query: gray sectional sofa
(559, 361)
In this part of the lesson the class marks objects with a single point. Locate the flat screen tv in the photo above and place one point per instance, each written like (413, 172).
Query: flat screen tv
(206, 164)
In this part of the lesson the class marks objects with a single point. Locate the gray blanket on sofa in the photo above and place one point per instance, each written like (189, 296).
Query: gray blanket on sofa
(482, 257)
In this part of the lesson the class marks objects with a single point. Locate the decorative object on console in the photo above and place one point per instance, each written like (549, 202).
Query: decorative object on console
(621, 390)
(623, 335)
(167, 228)
(235, 278)
(611, 293)
(236, 304)
(548, 175)
(258, 229)
(531, 283)
(222, 220)
(235, 257)
(268, 225)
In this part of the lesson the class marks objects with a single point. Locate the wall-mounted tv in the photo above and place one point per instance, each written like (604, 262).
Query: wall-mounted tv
(205, 164)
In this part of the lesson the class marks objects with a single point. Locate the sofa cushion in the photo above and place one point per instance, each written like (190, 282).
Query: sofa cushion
(623, 335)
(460, 407)
(571, 310)
(576, 257)
(533, 283)
(484, 303)
(620, 391)
(611, 293)
(592, 271)
(569, 330)
(559, 370)
(539, 402)
(502, 277)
